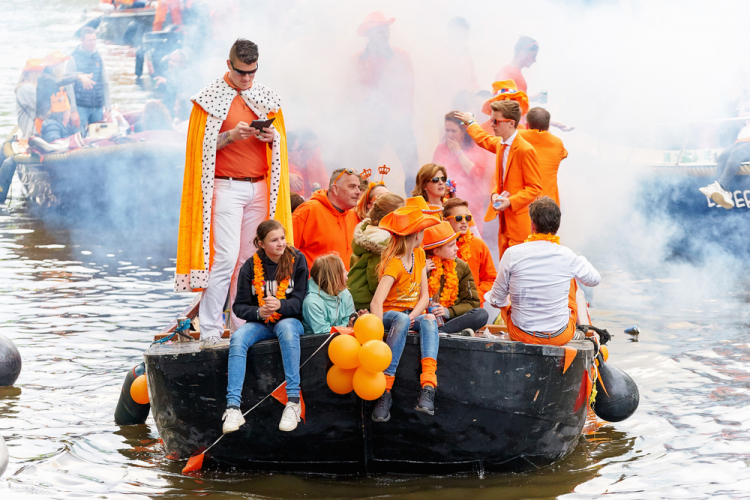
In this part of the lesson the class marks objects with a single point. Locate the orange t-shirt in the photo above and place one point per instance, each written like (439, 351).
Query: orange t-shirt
(510, 72)
(242, 158)
(404, 294)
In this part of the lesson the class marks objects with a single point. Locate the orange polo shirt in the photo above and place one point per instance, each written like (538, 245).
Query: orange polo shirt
(242, 158)
(550, 152)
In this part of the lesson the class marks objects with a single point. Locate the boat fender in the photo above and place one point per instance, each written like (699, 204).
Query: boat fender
(10, 362)
(7, 170)
(3, 456)
(128, 412)
(617, 394)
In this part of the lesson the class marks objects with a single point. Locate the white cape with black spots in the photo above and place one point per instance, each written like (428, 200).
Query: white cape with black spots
(215, 99)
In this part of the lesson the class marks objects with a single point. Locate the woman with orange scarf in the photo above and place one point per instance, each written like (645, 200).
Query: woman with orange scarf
(451, 285)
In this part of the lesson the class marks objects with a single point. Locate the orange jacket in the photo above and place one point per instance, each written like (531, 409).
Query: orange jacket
(320, 229)
(482, 267)
(522, 180)
(550, 152)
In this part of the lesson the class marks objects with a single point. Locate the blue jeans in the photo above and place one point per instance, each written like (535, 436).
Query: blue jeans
(397, 325)
(288, 331)
(89, 115)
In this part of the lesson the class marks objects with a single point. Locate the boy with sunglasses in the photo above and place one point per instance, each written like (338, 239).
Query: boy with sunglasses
(516, 171)
(471, 250)
(232, 183)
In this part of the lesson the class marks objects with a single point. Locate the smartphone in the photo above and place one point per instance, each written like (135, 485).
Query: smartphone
(261, 124)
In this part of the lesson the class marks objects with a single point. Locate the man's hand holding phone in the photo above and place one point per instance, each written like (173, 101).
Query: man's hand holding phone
(500, 201)
(241, 132)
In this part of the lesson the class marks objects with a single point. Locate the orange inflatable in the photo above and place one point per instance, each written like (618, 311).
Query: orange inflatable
(368, 327)
(368, 385)
(340, 380)
(344, 352)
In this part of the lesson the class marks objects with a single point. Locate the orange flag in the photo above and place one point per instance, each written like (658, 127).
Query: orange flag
(195, 463)
(280, 396)
(570, 355)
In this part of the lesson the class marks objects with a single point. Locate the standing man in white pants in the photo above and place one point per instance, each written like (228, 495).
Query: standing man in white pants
(230, 184)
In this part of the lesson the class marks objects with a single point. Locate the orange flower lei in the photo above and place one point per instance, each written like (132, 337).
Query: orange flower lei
(445, 268)
(259, 283)
(543, 237)
(464, 245)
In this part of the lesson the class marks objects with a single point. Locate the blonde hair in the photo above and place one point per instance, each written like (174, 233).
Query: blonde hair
(28, 77)
(384, 205)
(328, 273)
(426, 173)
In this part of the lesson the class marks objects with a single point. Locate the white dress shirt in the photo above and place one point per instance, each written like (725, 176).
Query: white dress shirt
(506, 152)
(536, 277)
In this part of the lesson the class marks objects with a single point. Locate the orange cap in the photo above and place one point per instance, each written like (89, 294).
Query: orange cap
(418, 201)
(34, 65)
(407, 220)
(54, 58)
(373, 20)
(439, 235)
(507, 89)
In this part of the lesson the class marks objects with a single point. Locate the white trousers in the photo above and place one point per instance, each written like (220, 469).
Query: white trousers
(238, 208)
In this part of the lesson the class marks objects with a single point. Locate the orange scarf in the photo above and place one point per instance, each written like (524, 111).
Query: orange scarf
(445, 268)
(542, 237)
(259, 283)
(464, 245)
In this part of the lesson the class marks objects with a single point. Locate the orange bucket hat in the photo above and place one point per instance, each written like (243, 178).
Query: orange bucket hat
(418, 201)
(373, 20)
(54, 58)
(407, 220)
(439, 235)
(506, 89)
(34, 65)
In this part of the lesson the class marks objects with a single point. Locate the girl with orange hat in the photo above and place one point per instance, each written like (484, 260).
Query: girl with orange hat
(451, 283)
(401, 298)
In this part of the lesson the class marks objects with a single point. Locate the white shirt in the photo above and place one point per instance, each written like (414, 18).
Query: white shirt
(506, 152)
(536, 277)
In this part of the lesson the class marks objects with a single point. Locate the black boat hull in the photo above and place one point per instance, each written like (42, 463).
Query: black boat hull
(500, 406)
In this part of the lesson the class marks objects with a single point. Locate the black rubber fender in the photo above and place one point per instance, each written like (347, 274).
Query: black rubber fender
(128, 412)
(10, 362)
(621, 397)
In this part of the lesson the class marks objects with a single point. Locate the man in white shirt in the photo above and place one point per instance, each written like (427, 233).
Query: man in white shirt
(538, 277)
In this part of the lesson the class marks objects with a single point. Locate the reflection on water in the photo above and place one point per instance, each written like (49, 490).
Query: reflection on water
(82, 307)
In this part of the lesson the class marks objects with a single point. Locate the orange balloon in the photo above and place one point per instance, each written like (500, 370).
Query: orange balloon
(605, 352)
(368, 385)
(340, 380)
(139, 390)
(344, 352)
(375, 356)
(368, 327)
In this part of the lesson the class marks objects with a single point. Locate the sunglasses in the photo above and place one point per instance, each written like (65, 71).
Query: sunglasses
(498, 122)
(243, 73)
(442, 178)
(459, 218)
(346, 171)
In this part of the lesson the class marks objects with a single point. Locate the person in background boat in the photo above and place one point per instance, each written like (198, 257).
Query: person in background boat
(57, 128)
(160, 15)
(466, 164)
(307, 173)
(175, 79)
(471, 250)
(26, 96)
(227, 191)
(382, 88)
(325, 223)
(296, 201)
(536, 285)
(328, 303)
(369, 243)
(51, 85)
(271, 288)
(155, 116)
(728, 164)
(451, 286)
(549, 149)
(401, 297)
(517, 179)
(91, 104)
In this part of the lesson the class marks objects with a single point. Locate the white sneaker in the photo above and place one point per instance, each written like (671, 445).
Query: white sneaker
(210, 342)
(233, 419)
(719, 196)
(290, 417)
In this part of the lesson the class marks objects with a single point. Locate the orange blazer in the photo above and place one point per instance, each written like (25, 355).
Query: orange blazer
(550, 152)
(522, 180)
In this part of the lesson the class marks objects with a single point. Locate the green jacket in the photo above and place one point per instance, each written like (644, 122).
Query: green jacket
(468, 297)
(369, 243)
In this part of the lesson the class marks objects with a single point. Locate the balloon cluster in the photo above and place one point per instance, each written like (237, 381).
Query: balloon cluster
(359, 360)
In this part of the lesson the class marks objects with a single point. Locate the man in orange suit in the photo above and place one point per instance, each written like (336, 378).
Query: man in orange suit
(549, 149)
(517, 179)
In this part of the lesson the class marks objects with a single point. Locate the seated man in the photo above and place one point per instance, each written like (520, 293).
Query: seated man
(325, 223)
(727, 165)
(538, 276)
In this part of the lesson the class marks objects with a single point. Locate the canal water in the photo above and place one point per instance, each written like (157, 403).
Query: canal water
(82, 306)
